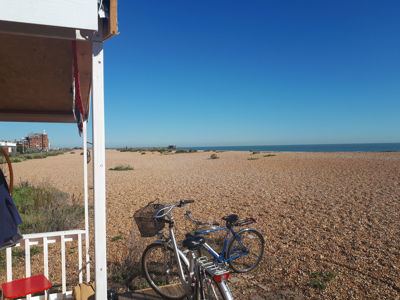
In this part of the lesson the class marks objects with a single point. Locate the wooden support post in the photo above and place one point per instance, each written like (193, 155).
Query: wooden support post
(99, 171)
(86, 196)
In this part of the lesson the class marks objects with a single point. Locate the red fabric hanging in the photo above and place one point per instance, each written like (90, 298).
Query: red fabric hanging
(79, 111)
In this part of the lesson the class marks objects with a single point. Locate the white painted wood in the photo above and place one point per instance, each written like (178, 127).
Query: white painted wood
(65, 233)
(63, 273)
(99, 171)
(46, 260)
(27, 262)
(86, 197)
(61, 13)
(80, 257)
(9, 264)
(45, 239)
(27, 258)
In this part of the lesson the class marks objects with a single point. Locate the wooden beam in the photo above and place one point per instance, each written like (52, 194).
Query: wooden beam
(113, 17)
(48, 117)
(99, 171)
(45, 31)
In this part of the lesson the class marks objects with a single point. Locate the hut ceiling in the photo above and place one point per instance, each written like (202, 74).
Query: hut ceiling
(36, 78)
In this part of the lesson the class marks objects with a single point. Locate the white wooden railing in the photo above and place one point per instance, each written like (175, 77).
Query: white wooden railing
(44, 239)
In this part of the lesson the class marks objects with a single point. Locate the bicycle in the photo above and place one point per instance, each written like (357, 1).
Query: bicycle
(243, 251)
(167, 269)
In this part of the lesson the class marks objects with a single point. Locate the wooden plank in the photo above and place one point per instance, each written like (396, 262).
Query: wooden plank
(110, 25)
(113, 17)
(34, 30)
(149, 294)
(36, 78)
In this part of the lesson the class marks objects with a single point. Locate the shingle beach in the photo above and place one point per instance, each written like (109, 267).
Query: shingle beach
(331, 221)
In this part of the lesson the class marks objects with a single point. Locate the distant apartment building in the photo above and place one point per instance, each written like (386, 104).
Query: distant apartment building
(8, 146)
(35, 141)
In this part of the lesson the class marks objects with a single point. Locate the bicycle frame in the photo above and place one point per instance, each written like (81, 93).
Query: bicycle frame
(221, 257)
(191, 262)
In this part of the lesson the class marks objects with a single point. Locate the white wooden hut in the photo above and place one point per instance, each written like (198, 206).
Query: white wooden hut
(36, 80)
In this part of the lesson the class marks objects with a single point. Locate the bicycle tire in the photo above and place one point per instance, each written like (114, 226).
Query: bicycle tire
(6, 168)
(159, 275)
(210, 290)
(254, 242)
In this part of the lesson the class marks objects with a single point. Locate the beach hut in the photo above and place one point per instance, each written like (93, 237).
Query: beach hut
(51, 52)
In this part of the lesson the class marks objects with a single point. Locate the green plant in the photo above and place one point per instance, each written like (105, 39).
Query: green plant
(121, 168)
(18, 256)
(318, 284)
(321, 278)
(46, 209)
(154, 149)
(214, 156)
(256, 152)
(125, 270)
(18, 157)
(185, 151)
(35, 250)
(116, 238)
(72, 152)
(269, 155)
(252, 158)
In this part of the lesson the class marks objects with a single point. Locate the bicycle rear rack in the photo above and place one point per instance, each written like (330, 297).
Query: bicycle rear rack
(211, 267)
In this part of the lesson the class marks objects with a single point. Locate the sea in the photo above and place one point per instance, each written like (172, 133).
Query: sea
(379, 147)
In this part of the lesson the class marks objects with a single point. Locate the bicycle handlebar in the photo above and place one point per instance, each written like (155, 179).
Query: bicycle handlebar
(162, 212)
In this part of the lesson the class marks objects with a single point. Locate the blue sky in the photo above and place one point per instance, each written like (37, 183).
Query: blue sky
(204, 73)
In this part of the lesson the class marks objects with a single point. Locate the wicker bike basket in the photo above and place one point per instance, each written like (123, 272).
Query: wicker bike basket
(147, 224)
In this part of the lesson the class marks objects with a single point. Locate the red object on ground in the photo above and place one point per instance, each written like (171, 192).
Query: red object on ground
(26, 286)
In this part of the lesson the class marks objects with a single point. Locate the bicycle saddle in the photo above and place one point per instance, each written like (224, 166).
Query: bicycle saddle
(192, 242)
(230, 220)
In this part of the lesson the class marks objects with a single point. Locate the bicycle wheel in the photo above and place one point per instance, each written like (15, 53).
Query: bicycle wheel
(6, 168)
(210, 290)
(247, 240)
(160, 268)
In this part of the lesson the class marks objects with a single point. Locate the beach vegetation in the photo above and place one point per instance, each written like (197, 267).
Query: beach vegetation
(125, 270)
(72, 152)
(252, 158)
(269, 155)
(185, 151)
(17, 157)
(18, 255)
(46, 209)
(320, 279)
(116, 238)
(214, 156)
(122, 168)
(161, 150)
(255, 152)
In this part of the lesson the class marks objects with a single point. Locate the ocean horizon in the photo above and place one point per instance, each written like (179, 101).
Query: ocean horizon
(370, 147)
